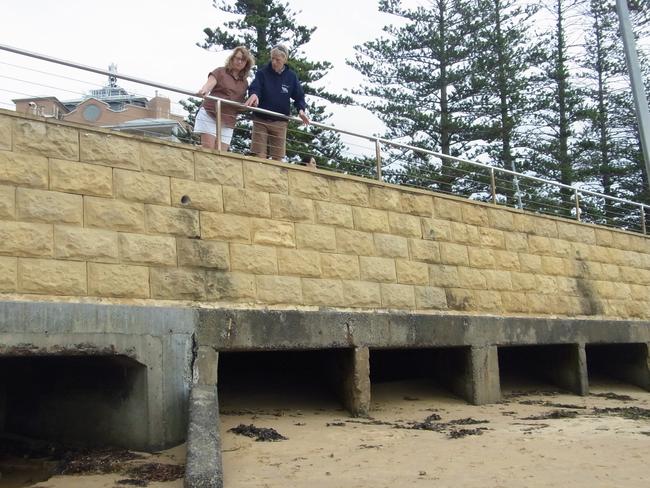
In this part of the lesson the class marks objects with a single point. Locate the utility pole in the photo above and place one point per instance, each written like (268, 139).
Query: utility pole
(638, 89)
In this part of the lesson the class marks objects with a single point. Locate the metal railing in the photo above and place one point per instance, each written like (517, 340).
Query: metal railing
(491, 184)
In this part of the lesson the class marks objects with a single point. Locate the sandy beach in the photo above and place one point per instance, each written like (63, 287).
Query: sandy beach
(420, 435)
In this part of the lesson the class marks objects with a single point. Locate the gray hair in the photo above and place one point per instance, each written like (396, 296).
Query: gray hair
(280, 49)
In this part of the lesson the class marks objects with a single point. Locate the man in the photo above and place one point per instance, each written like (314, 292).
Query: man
(272, 89)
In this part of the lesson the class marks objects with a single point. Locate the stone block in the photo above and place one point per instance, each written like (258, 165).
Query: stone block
(554, 266)
(23, 239)
(253, 259)
(48, 139)
(444, 276)
(349, 192)
(415, 204)
(516, 241)
(514, 302)
(411, 272)
(498, 280)
(167, 160)
(110, 150)
(177, 283)
(385, 199)
(546, 285)
(370, 220)
(501, 219)
(461, 299)
(377, 269)
(475, 214)
(221, 170)
(506, 260)
(535, 225)
(48, 206)
(307, 185)
(83, 178)
(82, 244)
(293, 262)
(482, 258)
(24, 170)
(341, 266)
(273, 233)
(8, 273)
(198, 195)
(326, 293)
(404, 225)
(7, 202)
(203, 254)
(265, 178)
(52, 277)
(143, 249)
(246, 202)
(448, 209)
(436, 230)
(107, 213)
(175, 221)
(294, 209)
(471, 278)
(226, 227)
(275, 290)
(576, 232)
(540, 246)
(561, 248)
(233, 287)
(397, 296)
(489, 301)
(117, 280)
(530, 263)
(6, 130)
(315, 237)
(491, 238)
(464, 233)
(334, 214)
(430, 298)
(425, 251)
(141, 187)
(361, 294)
(604, 237)
(523, 281)
(390, 246)
(355, 242)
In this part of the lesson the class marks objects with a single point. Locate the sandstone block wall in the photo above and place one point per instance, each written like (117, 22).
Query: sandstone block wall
(89, 213)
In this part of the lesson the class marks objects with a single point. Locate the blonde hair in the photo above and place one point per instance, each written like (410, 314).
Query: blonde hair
(245, 53)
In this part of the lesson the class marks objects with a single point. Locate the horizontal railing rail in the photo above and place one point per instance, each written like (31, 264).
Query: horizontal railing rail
(379, 144)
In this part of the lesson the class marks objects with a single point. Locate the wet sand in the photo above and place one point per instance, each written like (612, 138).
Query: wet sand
(327, 448)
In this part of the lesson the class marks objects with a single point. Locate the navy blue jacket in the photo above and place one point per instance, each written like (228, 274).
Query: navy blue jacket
(275, 89)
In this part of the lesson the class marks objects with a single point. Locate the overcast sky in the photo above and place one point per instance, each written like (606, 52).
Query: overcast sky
(156, 40)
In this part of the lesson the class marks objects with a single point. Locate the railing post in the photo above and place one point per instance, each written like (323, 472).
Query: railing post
(218, 146)
(577, 204)
(378, 155)
(642, 208)
(494, 186)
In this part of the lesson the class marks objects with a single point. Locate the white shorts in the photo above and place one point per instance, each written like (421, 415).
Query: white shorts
(204, 124)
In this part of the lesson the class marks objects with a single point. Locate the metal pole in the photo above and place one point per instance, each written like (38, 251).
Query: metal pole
(577, 205)
(219, 124)
(378, 155)
(642, 208)
(494, 186)
(638, 90)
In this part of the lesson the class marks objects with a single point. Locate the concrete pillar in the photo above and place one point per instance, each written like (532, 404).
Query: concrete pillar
(567, 368)
(355, 384)
(640, 371)
(483, 381)
(204, 468)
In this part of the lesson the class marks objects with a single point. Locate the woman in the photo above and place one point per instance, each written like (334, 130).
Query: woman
(230, 83)
(273, 88)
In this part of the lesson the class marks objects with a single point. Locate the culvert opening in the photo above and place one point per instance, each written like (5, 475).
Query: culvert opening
(611, 364)
(279, 380)
(74, 401)
(419, 372)
(539, 368)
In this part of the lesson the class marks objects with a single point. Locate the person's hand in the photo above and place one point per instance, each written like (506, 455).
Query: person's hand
(202, 92)
(252, 101)
(303, 117)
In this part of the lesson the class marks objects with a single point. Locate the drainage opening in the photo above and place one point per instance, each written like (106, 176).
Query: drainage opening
(544, 368)
(90, 400)
(419, 372)
(609, 364)
(278, 380)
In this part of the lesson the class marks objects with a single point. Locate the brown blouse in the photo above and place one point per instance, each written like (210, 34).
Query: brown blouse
(230, 88)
